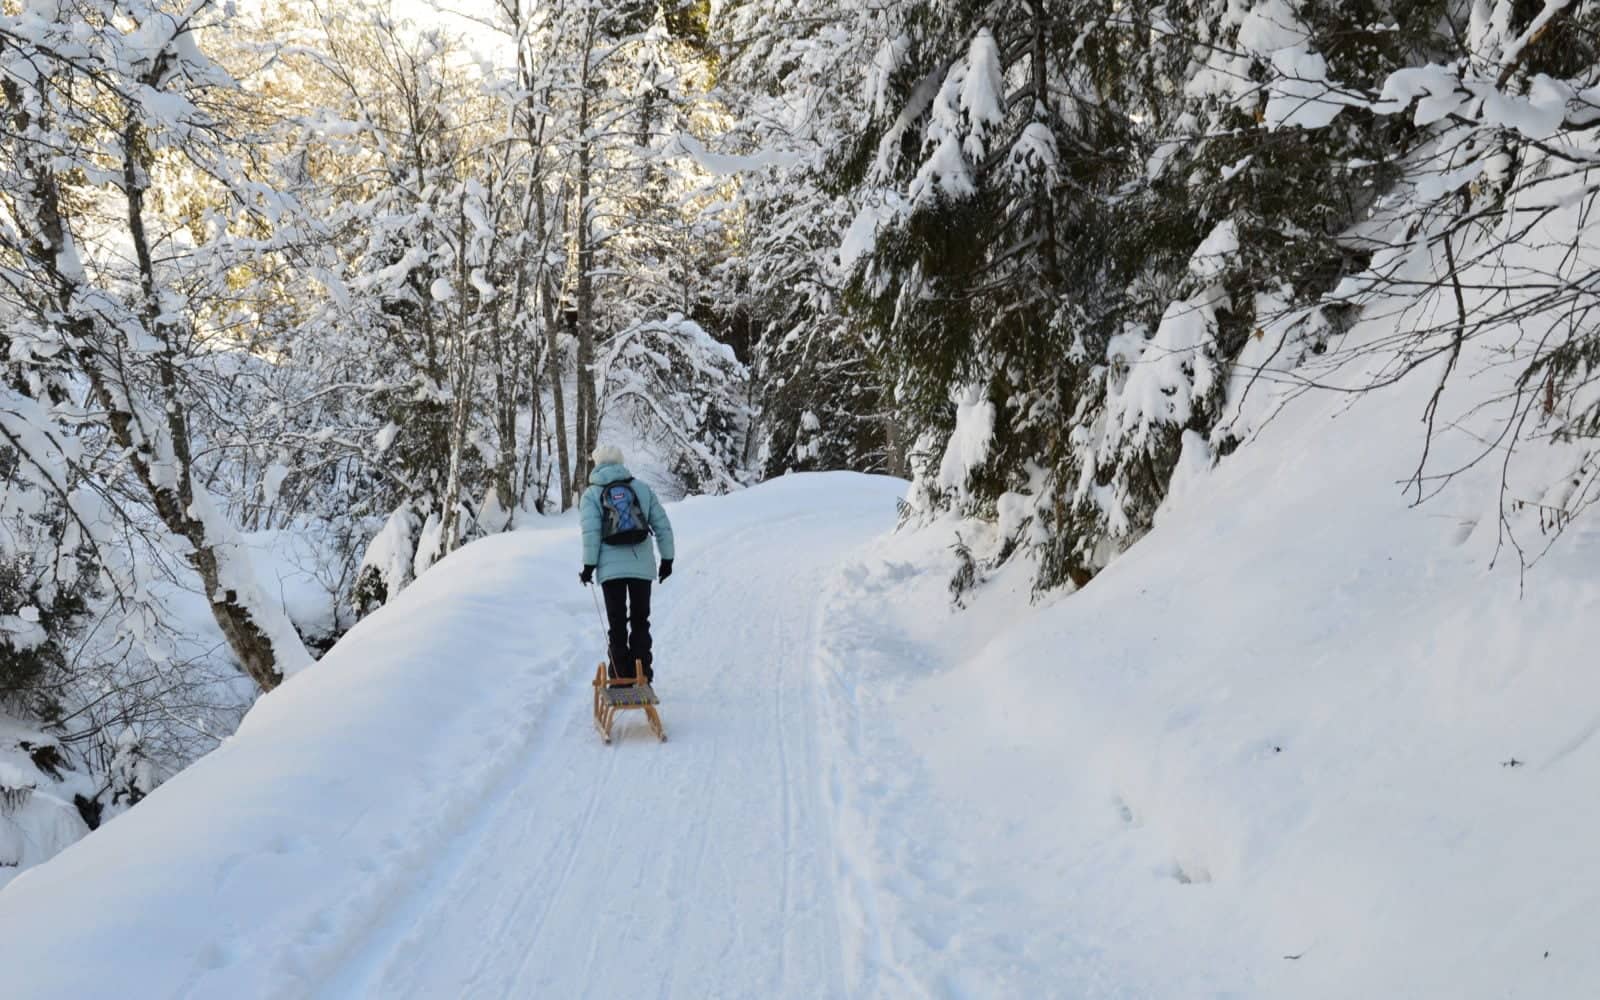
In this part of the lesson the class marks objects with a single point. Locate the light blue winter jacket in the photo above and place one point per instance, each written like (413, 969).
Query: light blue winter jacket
(622, 562)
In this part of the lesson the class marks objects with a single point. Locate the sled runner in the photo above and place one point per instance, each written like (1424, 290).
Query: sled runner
(628, 693)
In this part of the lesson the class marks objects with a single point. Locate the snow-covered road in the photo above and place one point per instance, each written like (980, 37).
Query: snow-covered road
(648, 869)
(429, 812)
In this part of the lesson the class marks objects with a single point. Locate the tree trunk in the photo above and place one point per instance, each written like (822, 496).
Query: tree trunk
(505, 466)
(450, 514)
(534, 463)
(588, 408)
(506, 340)
(894, 448)
(248, 636)
(1044, 205)
(462, 369)
(245, 622)
(549, 296)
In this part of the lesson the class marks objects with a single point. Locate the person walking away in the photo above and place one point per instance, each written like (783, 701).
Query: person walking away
(620, 515)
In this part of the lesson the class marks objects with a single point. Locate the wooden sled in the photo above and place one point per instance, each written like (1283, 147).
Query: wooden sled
(627, 693)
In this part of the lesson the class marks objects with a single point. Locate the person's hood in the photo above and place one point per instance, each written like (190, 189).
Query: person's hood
(605, 475)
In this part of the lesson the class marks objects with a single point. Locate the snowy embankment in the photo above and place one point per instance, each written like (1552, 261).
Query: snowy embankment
(158, 706)
(1302, 741)
(336, 792)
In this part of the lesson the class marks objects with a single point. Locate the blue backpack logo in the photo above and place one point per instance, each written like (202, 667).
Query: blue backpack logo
(624, 523)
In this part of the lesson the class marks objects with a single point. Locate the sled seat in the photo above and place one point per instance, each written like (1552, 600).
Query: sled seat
(625, 694)
(632, 697)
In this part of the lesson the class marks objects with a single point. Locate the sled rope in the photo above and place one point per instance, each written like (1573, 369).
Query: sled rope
(605, 629)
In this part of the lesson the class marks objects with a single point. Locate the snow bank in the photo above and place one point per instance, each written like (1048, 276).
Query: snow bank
(337, 789)
(1303, 740)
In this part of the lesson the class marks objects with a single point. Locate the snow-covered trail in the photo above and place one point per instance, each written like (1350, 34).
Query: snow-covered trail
(430, 813)
(648, 869)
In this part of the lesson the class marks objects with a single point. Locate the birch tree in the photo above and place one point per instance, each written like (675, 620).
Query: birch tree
(97, 99)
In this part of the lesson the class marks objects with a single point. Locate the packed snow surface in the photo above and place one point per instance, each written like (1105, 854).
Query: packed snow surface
(1302, 741)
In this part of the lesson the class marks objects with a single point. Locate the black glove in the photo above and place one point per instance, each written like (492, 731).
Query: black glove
(666, 569)
(587, 576)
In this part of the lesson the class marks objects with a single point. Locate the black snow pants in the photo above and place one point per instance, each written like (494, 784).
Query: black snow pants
(628, 614)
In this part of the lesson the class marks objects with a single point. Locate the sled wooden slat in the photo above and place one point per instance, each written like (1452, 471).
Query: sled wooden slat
(624, 695)
(632, 697)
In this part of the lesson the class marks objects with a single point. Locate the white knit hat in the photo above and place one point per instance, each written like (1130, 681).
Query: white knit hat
(607, 454)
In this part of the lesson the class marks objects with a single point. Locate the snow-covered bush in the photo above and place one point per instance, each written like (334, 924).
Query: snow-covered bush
(38, 817)
(687, 392)
(47, 589)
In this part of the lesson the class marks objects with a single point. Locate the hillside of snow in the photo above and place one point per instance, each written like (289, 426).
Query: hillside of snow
(1304, 740)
